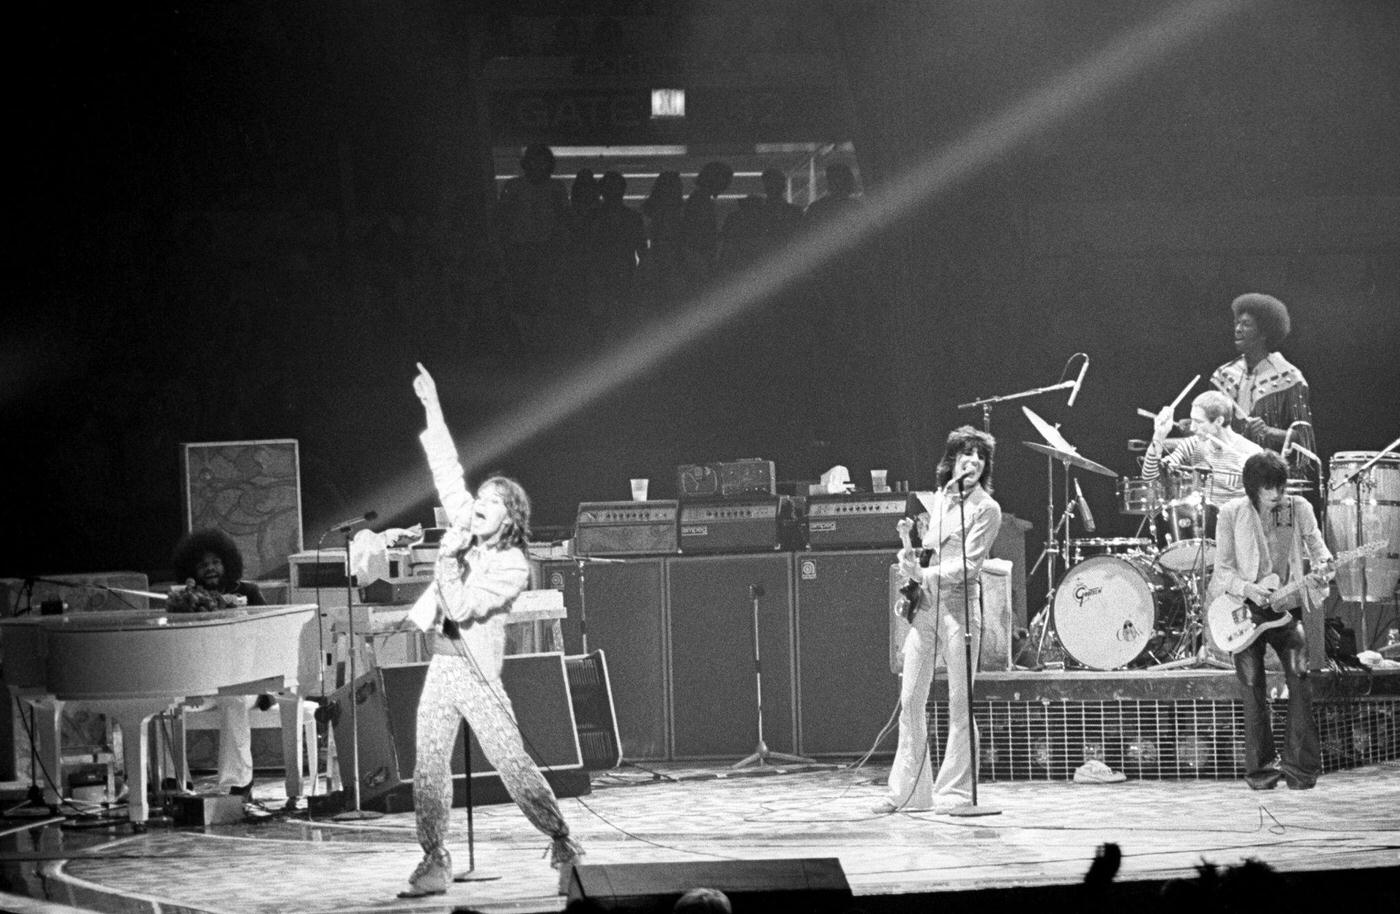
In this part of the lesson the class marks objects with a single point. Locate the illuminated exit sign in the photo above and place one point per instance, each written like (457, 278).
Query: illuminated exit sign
(668, 103)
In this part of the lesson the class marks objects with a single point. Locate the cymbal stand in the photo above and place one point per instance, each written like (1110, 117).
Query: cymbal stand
(1053, 550)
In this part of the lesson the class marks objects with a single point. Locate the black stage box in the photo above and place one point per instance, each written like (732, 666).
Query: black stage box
(539, 695)
(626, 528)
(741, 525)
(714, 703)
(814, 884)
(845, 690)
(621, 606)
(854, 521)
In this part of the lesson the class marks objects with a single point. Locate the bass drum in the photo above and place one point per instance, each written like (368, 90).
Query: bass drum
(1109, 610)
(1380, 520)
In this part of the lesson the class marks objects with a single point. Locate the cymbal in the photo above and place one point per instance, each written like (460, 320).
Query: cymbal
(1072, 457)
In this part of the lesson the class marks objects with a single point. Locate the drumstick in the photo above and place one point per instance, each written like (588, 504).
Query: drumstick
(1184, 391)
(1147, 415)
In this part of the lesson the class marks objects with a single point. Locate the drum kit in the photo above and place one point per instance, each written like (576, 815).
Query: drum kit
(1127, 601)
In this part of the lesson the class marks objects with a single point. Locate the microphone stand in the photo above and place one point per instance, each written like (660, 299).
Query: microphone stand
(970, 809)
(761, 754)
(987, 402)
(355, 813)
(1361, 476)
(471, 873)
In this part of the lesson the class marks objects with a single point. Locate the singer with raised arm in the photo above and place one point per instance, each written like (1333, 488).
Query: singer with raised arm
(1213, 450)
(1262, 539)
(481, 569)
(949, 582)
(1270, 392)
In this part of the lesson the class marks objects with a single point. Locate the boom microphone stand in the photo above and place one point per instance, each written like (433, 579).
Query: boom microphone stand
(970, 809)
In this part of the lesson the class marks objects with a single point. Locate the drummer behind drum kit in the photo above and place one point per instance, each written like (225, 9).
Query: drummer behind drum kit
(1140, 601)
(1128, 601)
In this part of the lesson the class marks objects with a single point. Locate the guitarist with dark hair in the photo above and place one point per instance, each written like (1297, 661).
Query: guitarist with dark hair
(1261, 540)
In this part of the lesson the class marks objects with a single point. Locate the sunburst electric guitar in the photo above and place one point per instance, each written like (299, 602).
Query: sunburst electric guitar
(1235, 622)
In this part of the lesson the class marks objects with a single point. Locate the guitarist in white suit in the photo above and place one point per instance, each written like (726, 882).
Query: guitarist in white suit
(1260, 544)
(964, 492)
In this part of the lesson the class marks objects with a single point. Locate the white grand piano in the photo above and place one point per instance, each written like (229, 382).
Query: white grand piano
(134, 664)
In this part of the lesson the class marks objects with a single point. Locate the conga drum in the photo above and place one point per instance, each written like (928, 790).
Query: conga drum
(1379, 508)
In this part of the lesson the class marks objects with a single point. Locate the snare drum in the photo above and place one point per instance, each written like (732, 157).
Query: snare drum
(1081, 549)
(1110, 610)
(1139, 496)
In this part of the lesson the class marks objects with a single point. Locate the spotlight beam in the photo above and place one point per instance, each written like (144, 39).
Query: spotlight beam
(1127, 56)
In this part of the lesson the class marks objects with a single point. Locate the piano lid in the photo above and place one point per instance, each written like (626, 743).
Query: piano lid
(153, 653)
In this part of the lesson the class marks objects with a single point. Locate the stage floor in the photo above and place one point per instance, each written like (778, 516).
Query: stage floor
(1046, 834)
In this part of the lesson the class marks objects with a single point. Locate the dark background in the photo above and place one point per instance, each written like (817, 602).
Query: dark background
(248, 220)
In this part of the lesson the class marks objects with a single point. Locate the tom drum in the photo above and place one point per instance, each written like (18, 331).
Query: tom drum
(1139, 496)
(1081, 549)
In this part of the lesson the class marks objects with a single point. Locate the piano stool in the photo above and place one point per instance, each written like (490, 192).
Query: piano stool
(206, 717)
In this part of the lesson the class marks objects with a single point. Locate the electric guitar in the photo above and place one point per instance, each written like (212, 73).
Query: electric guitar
(911, 592)
(1235, 622)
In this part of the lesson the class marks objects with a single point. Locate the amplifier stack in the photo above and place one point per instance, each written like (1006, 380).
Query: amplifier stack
(854, 521)
(626, 528)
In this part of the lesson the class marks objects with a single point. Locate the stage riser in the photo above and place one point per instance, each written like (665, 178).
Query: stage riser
(1158, 740)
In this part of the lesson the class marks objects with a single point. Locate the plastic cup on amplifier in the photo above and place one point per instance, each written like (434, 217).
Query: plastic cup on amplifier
(879, 481)
(639, 489)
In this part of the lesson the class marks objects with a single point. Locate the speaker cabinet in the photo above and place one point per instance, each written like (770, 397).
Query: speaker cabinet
(845, 691)
(816, 884)
(378, 759)
(590, 692)
(539, 696)
(994, 652)
(714, 707)
(624, 605)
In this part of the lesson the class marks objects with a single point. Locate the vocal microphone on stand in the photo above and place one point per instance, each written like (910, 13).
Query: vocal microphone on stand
(1084, 508)
(346, 525)
(1079, 381)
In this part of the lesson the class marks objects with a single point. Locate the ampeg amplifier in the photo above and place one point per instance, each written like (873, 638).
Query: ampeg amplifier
(854, 521)
(626, 528)
(749, 525)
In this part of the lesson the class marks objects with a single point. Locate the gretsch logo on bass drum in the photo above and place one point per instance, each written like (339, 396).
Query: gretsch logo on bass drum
(1083, 592)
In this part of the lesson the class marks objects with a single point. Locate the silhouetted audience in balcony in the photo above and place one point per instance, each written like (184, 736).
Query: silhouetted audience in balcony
(781, 220)
(840, 193)
(618, 238)
(532, 216)
(743, 237)
(662, 266)
(700, 221)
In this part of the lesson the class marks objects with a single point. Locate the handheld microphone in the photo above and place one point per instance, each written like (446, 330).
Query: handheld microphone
(1079, 381)
(345, 525)
(1084, 507)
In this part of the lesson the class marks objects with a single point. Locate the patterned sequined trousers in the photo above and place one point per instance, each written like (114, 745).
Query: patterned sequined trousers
(455, 689)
